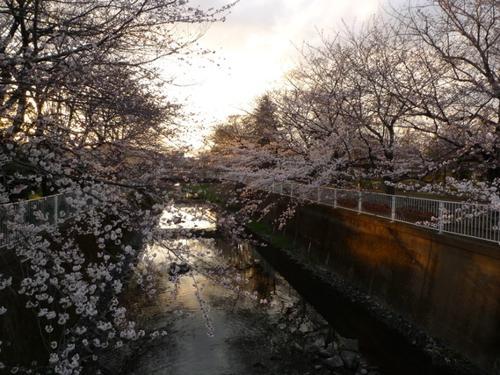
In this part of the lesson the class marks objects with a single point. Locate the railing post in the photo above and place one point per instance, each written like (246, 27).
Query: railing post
(291, 190)
(56, 209)
(393, 208)
(441, 218)
(319, 194)
(281, 188)
(273, 187)
(360, 202)
(335, 198)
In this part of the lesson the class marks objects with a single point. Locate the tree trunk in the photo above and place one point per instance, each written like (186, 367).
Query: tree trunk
(389, 189)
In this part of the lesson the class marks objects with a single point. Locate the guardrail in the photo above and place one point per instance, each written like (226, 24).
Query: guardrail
(473, 220)
(49, 210)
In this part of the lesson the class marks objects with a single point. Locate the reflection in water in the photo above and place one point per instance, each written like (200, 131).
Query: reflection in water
(230, 314)
(187, 217)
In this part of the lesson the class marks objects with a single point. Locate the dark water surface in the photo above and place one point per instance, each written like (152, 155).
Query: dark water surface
(232, 314)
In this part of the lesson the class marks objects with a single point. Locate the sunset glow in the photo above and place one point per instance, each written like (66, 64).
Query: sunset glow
(254, 49)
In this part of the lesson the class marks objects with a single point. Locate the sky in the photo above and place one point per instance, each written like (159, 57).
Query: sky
(251, 53)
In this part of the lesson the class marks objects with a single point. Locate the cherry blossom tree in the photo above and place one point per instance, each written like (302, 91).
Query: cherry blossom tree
(457, 42)
(410, 96)
(84, 113)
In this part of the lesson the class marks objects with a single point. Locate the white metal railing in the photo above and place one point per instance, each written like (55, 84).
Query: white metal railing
(474, 220)
(49, 210)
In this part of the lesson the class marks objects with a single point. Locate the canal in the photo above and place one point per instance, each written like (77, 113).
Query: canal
(221, 309)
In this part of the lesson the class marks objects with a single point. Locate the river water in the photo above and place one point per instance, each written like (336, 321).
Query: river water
(231, 313)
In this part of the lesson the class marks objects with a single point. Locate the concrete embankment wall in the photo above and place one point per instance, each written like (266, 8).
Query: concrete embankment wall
(447, 285)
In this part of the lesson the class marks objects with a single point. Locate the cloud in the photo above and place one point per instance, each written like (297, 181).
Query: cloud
(256, 46)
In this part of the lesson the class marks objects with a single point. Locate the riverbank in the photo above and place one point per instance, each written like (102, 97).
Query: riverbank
(314, 245)
(232, 313)
(395, 343)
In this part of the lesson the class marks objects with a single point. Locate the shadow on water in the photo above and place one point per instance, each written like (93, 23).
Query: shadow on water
(382, 335)
(233, 314)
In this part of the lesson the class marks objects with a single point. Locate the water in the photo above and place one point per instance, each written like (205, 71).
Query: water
(231, 314)
(216, 326)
